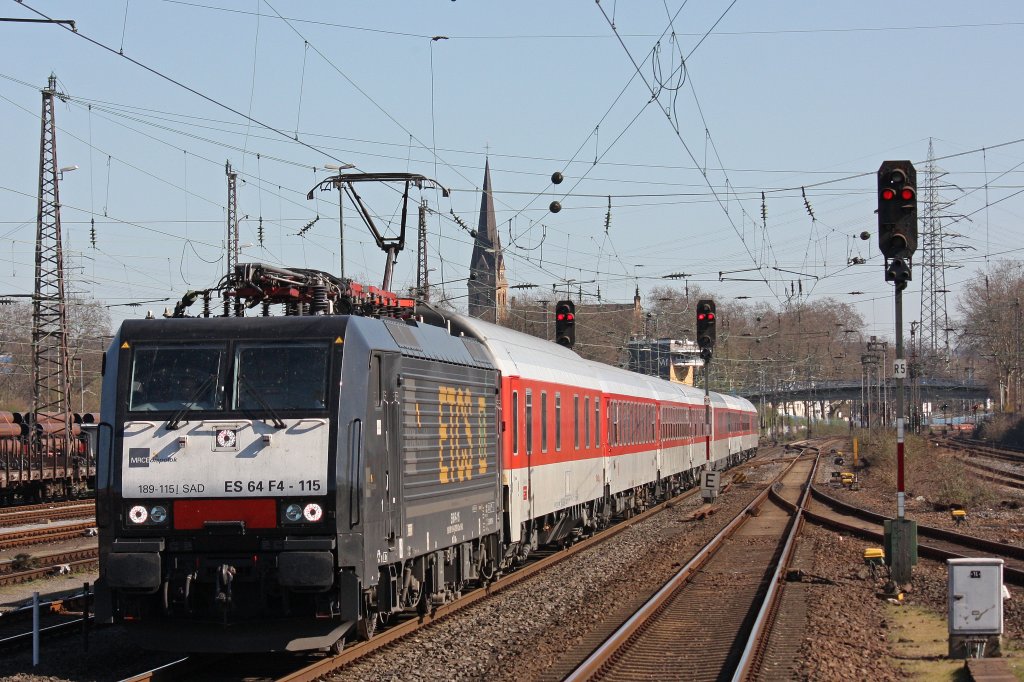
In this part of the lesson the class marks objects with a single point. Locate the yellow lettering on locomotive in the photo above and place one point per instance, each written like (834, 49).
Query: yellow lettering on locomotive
(458, 424)
(442, 434)
(455, 434)
(481, 434)
(457, 444)
(467, 450)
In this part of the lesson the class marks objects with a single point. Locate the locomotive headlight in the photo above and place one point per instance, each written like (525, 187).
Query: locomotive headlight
(293, 513)
(138, 514)
(158, 514)
(313, 511)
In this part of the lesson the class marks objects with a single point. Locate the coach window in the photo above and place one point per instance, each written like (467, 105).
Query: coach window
(576, 421)
(634, 432)
(622, 416)
(628, 417)
(515, 422)
(558, 421)
(633, 439)
(622, 423)
(613, 422)
(608, 429)
(597, 421)
(543, 421)
(634, 423)
(586, 421)
(529, 421)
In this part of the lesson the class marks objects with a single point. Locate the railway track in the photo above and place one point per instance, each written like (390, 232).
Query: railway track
(35, 536)
(56, 504)
(44, 566)
(719, 604)
(23, 516)
(981, 448)
(934, 543)
(1003, 477)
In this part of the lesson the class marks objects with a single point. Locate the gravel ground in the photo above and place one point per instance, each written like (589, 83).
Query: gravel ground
(521, 632)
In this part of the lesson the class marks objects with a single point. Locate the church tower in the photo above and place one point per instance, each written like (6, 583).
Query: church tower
(488, 288)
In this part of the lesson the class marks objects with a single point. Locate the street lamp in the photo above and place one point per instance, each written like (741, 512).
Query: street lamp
(341, 214)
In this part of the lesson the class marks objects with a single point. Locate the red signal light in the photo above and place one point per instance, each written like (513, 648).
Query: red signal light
(906, 194)
(700, 316)
(570, 317)
(560, 316)
(889, 194)
(711, 316)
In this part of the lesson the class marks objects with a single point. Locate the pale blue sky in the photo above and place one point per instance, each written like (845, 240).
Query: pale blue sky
(782, 95)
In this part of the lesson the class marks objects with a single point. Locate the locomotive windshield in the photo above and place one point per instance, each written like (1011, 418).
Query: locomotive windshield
(280, 376)
(176, 377)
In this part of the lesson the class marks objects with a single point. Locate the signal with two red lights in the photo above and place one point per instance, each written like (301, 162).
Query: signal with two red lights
(565, 323)
(706, 325)
(897, 209)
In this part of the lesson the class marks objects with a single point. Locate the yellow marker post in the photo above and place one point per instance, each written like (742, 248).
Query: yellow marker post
(854, 453)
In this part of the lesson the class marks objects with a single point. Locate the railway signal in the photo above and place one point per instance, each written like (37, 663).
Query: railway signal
(897, 209)
(897, 240)
(565, 323)
(706, 326)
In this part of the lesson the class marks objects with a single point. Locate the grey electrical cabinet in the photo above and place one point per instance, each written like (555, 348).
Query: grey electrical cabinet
(975, 606)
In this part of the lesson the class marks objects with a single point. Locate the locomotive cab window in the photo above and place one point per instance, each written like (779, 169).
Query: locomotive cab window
(176, 377)
(281, 376)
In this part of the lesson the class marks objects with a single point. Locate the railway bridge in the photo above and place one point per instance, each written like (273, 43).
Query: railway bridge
(928, 390)
(871, 402)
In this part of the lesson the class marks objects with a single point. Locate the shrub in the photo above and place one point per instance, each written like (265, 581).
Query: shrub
(927, 471)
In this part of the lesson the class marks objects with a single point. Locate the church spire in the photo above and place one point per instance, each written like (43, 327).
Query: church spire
(488, 288)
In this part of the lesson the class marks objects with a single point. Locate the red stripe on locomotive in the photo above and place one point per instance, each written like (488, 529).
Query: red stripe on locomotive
(255, 513)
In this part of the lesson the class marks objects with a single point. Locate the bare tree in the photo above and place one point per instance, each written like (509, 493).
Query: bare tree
(991, 325)
(88, 336)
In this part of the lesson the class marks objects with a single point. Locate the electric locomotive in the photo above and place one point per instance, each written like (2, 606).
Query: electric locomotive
(282, 483)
